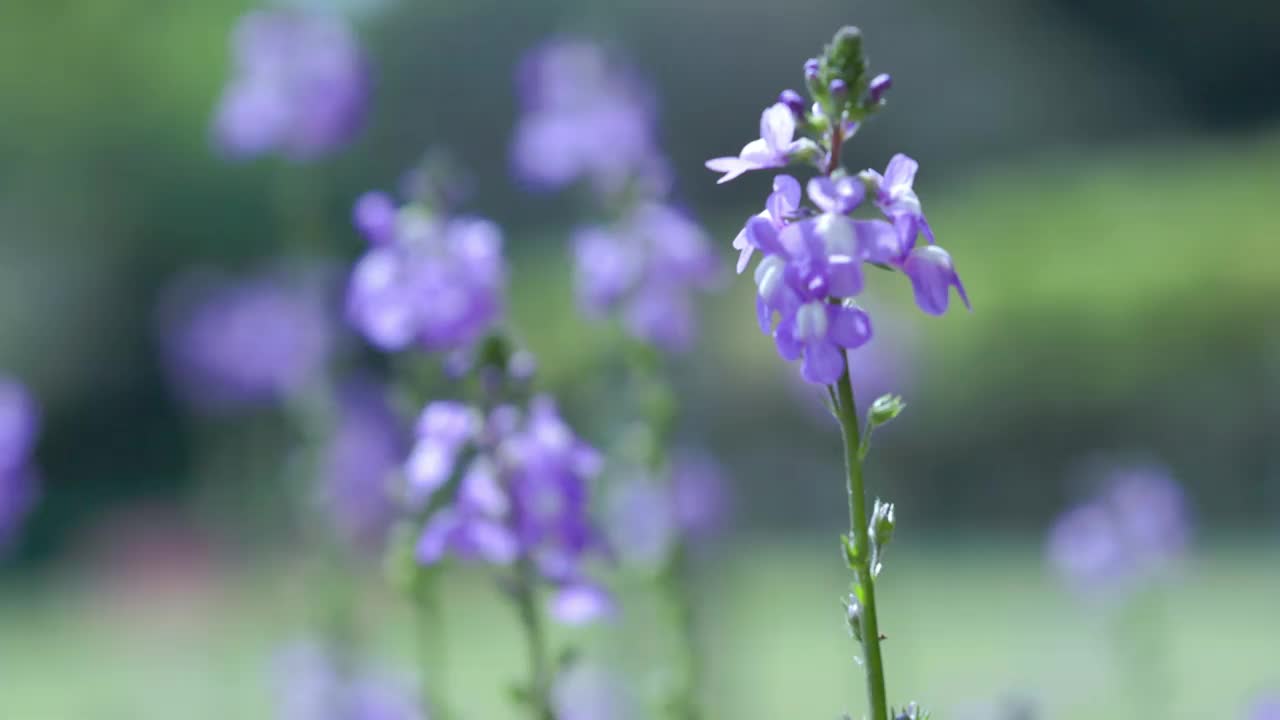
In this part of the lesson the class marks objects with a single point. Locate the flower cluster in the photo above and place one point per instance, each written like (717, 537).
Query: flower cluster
(236, 342)
(1135, 527)
(814, 253)
(316, 683)
(426, 280)
(360, 462)
(648, 264)
(19, 425)
(300, 87)
(583, 117)
(646, 519)
(522, 493)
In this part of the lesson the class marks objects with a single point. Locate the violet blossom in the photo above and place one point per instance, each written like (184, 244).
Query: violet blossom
(231, 343)
(19, 426)
(523, 487)
(648, 265)
(776, 147)
(426, 280)
(1135, 528)
(300, 86)
(647, 517)
(584, 116)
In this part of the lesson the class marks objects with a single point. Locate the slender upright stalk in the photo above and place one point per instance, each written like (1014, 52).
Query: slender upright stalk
(683, 703)
(865, 589)
(430, 639)
(525, 593)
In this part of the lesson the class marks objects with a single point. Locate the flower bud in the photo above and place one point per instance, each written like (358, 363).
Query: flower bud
(882, 523)
(812, 69)
(853, 616)
(884, 409)
(839, 90)
(880, 85)
(793, 100)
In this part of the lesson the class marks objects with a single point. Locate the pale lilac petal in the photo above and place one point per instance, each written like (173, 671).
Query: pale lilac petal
(784, 339)
(932, 277)
(787, 190)
(822, 191)
(901, 172)
(844, 276)
(762, 235)
(878, 241)
(435, 537)
(777, 127)
(732, 167)
(375, 217)
(764, 315)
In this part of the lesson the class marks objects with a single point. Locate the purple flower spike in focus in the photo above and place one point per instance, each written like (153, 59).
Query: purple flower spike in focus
(426, 280)
(237, 343)
(300, 86)
(775, 147)
(19, 425)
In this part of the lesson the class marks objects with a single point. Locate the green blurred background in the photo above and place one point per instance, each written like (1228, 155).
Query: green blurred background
(1104, 173)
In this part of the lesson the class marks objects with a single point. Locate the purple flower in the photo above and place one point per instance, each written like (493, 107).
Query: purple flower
(19, 425)
(648, 517)
(775, 147)
(897, 199)
(233, 343)
(649, 264)
(781, 205)
(932, 276)
(522, 495)
(584, 116)
(425, 280)
(807, 264)
(361, 461)
(300, 86)
(317, 684)
(1135, 528)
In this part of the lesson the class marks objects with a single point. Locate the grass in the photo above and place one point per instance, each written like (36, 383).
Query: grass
(968, 624)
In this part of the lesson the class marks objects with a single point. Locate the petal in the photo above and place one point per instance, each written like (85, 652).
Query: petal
(850, 326)
(788, 190)
(784, 339)
(762, 234)
(428, 469)
(375, 217)
(777, 127)
(490, 541)
(823, 363)
(435, 537)
(878, 241)
(822, 191)
(932, 276)
(908, 228)
(764, 315)
(901, 172)
(844, 276)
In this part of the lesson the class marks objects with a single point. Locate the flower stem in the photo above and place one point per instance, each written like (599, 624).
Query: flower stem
(430, 630)
(683, 702)
(540, 677)
(864, 589)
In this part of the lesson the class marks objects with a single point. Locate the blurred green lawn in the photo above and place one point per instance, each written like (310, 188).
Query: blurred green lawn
(967, 622)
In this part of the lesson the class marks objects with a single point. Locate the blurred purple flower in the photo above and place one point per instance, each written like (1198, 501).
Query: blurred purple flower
(523, 494)
(1135, 528)
(361, 460)
(300, 86)
(316, 684)
(647, 517)
(233, 343)
(649, 264)
(583, 116)
(427, 280)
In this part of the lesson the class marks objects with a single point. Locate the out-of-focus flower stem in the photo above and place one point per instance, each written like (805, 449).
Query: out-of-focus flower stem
(525, 593)
(860, 557)
(431, 645)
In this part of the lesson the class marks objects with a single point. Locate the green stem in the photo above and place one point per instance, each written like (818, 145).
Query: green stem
(540, 675)
(683, 703)
(865, 582)
(430, 631)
